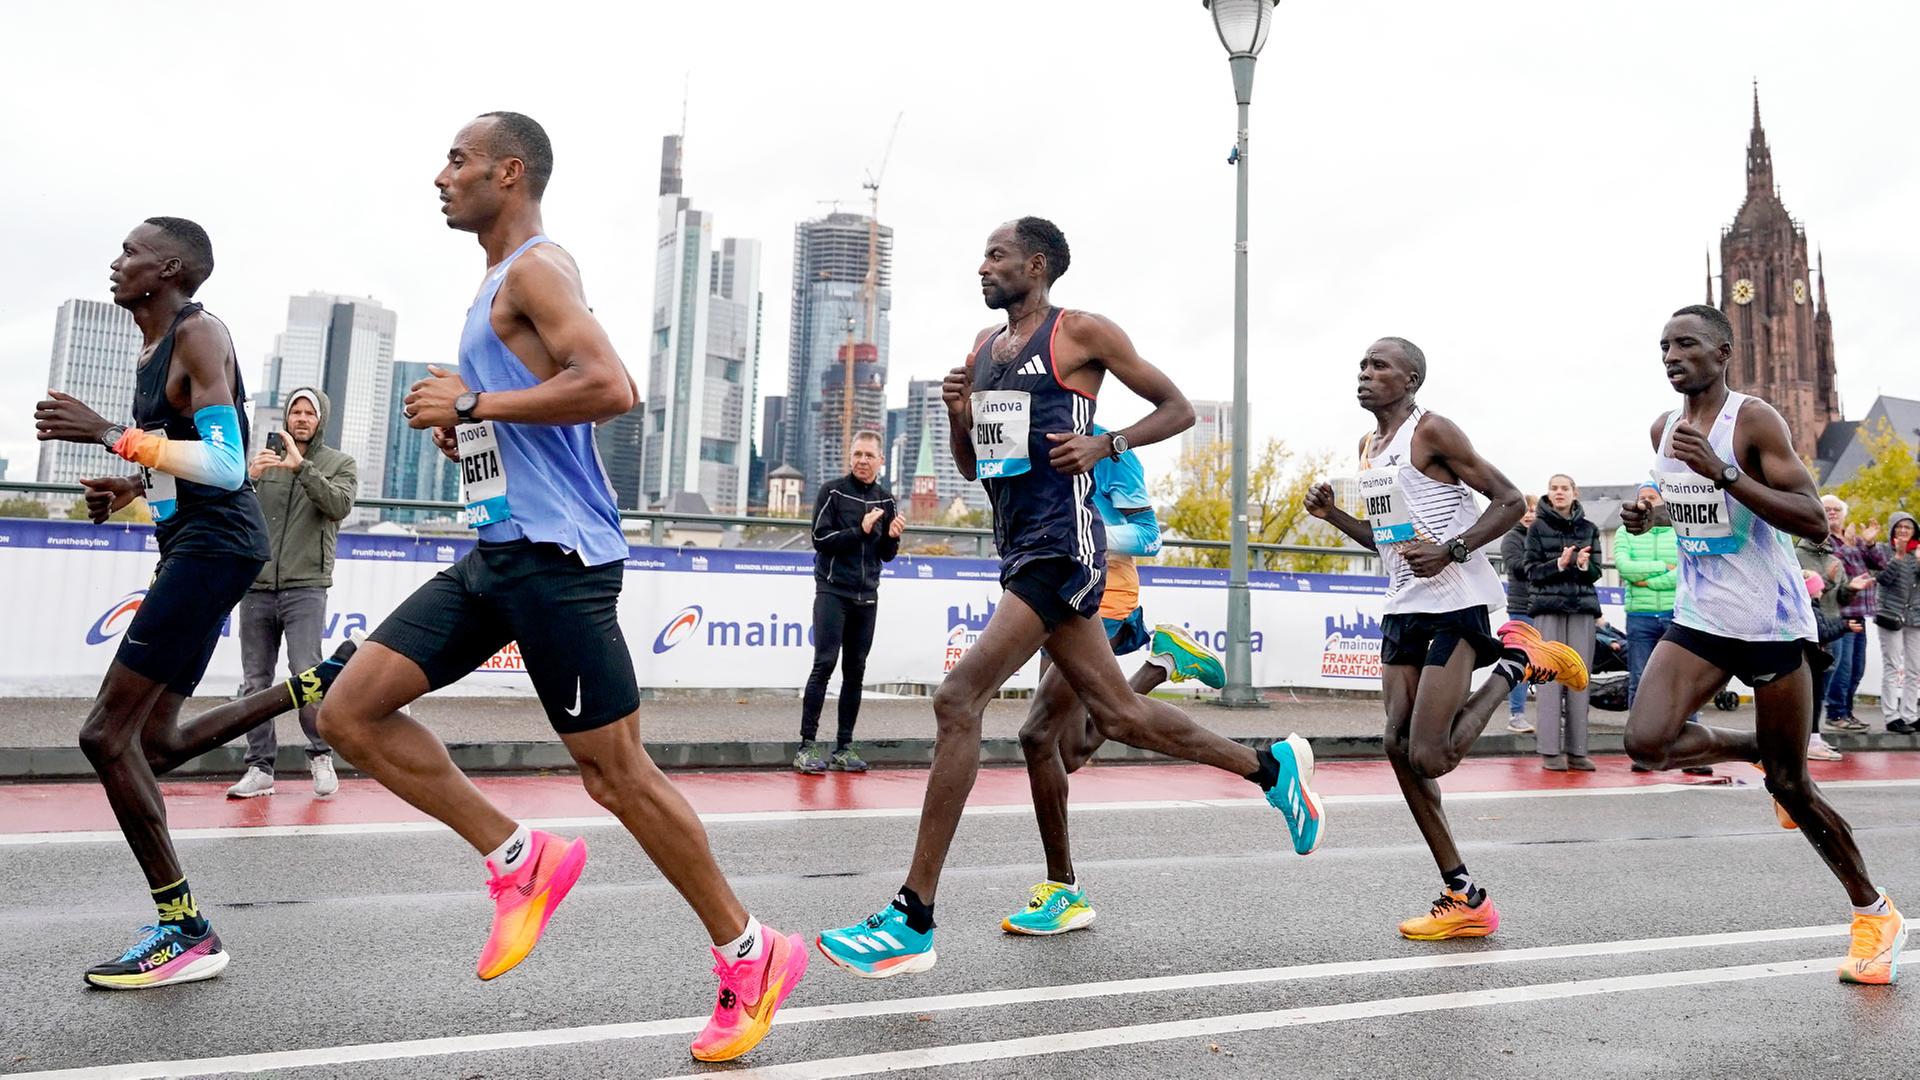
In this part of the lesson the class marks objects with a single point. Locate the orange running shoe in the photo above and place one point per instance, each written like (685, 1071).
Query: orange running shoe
(1779, 812)
(1874, 958)
(524, 900)
(1453, 917)
(751, 991)
(1547, 661)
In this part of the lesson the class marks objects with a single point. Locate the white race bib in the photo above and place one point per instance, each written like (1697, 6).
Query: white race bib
(1385, 504)
(163, 493)
(1702, 517)
(1001, 420)
(483, 478)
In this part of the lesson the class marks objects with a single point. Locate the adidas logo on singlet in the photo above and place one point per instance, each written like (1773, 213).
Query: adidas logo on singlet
(1032, 367)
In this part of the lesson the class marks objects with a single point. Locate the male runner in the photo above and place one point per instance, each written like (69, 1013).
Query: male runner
(1020, 417)
(188, 437)
(1418, 473)
(1060, 735)
(536, 373)
(1736, 493)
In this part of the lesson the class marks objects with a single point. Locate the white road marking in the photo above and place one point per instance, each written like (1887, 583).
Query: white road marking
(1066, 1042)
(601, 821)
(522, 1040)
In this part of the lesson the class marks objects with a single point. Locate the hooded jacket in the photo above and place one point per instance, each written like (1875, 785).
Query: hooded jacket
(1899, 580)
(304, 508)
(1556, 591)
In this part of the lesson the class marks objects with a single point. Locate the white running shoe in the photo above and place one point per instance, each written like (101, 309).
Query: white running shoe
(1818, 750)
(325, 780)
(1518, 724)
(256, 783)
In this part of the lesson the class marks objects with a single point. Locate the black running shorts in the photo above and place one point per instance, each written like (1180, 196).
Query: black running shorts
(1426, 639)
(172, 636)
(1755, 663)
(564, 615)
(1056, 588)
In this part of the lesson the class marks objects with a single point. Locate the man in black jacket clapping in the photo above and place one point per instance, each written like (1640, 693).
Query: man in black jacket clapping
(856, 527)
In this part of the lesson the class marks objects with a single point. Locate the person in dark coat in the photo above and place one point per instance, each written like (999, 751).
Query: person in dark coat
(1513, 561)
(1563, 562)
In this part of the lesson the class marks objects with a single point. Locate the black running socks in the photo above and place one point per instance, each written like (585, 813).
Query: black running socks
(175, 904)
(1512, 666)
(1461, 882)
(919, 914)
(1267, 772)
(311, 685)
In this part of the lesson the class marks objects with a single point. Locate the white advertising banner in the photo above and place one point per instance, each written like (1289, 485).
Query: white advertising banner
(692, 617)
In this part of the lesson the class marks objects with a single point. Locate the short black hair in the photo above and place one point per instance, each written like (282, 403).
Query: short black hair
(1416, 359)
(1037, 234)
(521, 136)
(1714, 317)
(192, 247)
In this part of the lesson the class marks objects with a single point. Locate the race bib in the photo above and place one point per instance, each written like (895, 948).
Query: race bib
(483, 479)
(163, 493)
(1000, 424)
(1702, 517)
(1386, 506)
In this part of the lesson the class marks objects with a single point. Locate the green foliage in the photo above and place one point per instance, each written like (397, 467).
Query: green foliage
(1889, 481)
(1200, 490)
(22, 507)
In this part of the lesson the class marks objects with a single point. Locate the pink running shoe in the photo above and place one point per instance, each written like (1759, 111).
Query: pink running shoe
(524, 900)
(751, 991)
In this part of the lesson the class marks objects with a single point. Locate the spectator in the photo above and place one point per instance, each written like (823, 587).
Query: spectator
(1562, 567)
(306, 488)
(1853, 546)
(1898, 620)
(856, 528)
(1827, 584)
(1513, 560)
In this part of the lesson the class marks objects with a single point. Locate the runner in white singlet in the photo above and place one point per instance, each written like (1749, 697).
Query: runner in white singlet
(1736, 493)
(1418, 474)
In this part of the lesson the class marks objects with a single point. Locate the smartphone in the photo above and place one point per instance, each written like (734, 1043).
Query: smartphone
(277, 443)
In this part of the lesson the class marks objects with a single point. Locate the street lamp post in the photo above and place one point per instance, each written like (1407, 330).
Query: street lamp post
(1242, 26)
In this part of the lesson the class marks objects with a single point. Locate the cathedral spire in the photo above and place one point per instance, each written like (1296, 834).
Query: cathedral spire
(1709, 277)
(1759, 158)
(1821, 266)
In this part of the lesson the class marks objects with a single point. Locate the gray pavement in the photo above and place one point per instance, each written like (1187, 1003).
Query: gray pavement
(346, 940)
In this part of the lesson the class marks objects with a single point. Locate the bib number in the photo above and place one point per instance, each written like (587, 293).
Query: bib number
(483, 479)
(163, 493)
(1000, 425)
(1386, 506)
(1702, 518)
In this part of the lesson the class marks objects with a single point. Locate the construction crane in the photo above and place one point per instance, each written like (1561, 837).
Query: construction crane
(869, 290)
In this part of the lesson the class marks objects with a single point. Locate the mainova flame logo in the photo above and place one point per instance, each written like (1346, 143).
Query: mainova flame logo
(116, 618)
(679, 628)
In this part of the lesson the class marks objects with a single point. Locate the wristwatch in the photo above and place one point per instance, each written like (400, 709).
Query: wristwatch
(464, 405)
(1119, 444)
(1728, 477)
(1458, 550)
(110, 438)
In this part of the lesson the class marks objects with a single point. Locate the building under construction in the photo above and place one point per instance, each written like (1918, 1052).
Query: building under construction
(829, 296)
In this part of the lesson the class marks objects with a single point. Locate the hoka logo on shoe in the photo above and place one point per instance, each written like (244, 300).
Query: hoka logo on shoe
(160, 956)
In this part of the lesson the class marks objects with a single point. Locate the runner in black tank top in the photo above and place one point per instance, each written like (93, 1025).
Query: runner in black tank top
(189, 440)
(1020, 418)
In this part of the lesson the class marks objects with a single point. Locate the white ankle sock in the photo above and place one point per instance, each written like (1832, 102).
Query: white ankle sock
(1162, 661)
(750, 945)
(1071, 886)
(509, 856)
(1878, 907)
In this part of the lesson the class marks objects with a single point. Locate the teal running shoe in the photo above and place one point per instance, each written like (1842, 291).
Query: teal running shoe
(880, 946)
(1053, 909)
(1293, 794)
(1191, 660)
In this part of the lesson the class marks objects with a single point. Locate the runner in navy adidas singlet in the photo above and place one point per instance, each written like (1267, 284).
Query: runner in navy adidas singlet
(536, 373)
(1020, 417)
(188, 437)
(1736, 494)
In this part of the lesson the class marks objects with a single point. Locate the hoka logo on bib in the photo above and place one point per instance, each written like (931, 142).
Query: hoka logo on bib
(679, 628)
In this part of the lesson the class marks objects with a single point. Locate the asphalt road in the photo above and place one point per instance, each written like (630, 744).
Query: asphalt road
(357, 948)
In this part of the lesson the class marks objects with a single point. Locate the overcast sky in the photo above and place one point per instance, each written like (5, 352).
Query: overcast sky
(1525, 189)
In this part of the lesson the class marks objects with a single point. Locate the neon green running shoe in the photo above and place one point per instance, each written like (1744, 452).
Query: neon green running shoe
(1053, 909)
(1191, 660)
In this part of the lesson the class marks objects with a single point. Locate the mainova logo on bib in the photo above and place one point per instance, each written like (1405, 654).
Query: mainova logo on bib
(1001, 420)
(1702, 518)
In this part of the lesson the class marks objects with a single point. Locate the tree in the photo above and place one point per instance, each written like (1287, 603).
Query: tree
(22, 507)
(1889, 481)
(134, 513)
(1200, 490)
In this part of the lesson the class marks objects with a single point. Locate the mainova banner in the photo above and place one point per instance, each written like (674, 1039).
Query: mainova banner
(693, 617)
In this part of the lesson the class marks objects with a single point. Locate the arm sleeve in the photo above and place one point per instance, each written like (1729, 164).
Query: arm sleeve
(829, 535)
(331, 493)
(1138, 536)
(214, 459)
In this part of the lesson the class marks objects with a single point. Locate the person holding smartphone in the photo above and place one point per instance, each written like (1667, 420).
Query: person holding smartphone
(306, 489)
(856, 528)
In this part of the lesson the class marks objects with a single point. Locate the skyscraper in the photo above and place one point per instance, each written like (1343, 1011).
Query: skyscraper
(96, 349)
(829, 271)
(1212, 423)
(415, 468)
(344, 346)
(926, 420)
(704, 354)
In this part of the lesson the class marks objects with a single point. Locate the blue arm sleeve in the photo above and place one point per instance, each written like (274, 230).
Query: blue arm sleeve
(1139, 536)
